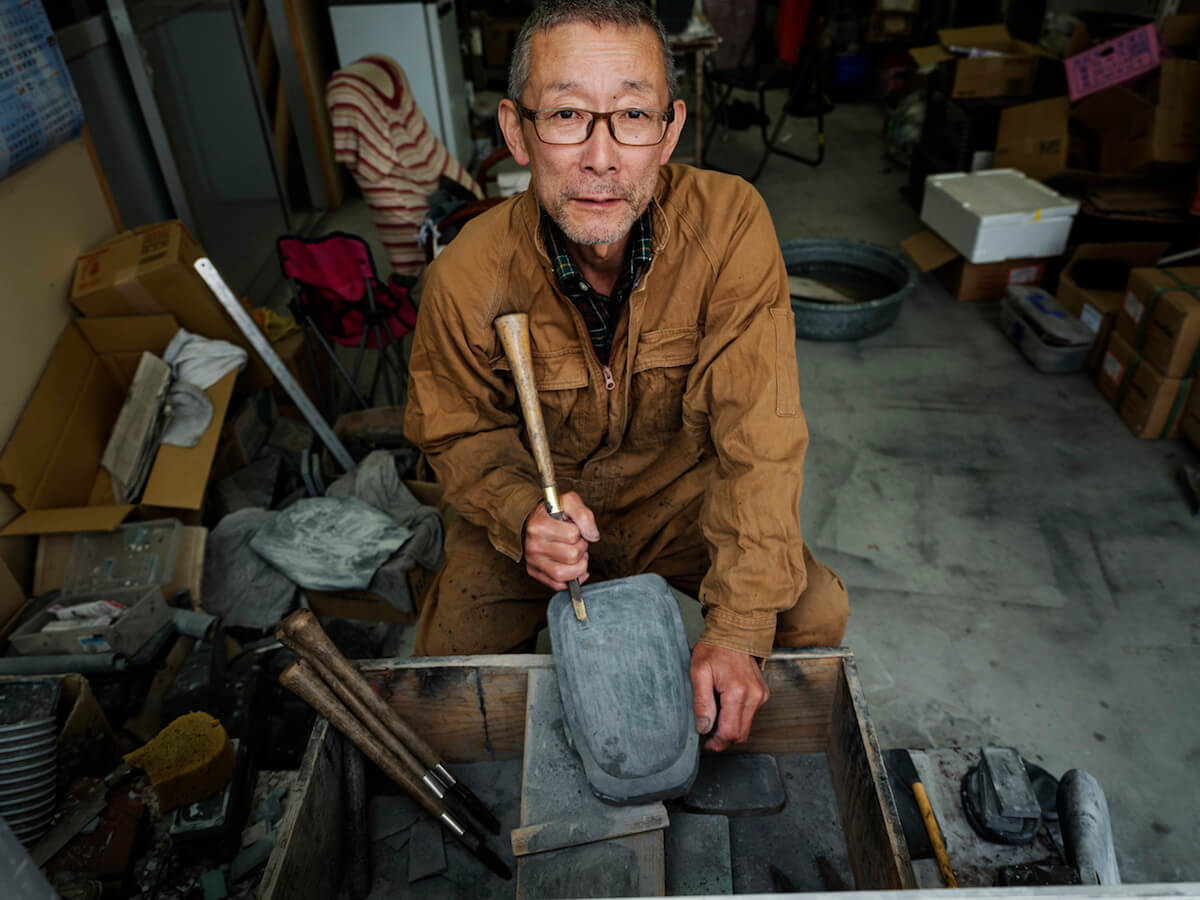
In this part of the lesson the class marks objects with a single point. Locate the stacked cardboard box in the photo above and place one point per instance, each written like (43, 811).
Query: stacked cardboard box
(1149, 367)
(1134, 124)
(1096, 303)
(892, 20)
(983, 61)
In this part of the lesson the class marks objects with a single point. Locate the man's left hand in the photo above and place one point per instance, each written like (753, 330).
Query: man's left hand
(737, 679)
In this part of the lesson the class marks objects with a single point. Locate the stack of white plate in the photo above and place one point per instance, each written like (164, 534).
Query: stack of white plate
(28, 756)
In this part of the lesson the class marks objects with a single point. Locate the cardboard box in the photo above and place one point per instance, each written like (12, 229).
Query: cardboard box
(1009, 73)
(1123, 130)
(1177, 84)
(1035, 138)
(966, 280)
(1147, 401)
(150, 271)
(1097, 307)
(1189, 426)
(1160, 318)
(1134, 132)
(1181, 33)
(52, 462)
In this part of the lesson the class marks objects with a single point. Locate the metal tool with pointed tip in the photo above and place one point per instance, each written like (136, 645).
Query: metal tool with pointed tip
(513, 330)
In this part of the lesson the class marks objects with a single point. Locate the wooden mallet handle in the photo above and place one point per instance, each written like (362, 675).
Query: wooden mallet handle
(303, 633)
(513, 330)
(302, 680)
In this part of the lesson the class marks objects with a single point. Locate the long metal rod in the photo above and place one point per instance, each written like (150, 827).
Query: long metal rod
(259, 342)
(143, 89)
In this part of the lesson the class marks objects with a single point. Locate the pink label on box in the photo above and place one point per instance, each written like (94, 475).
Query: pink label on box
(1025, 275)
(1113, 368)
(1133, 307)
(1124, 57)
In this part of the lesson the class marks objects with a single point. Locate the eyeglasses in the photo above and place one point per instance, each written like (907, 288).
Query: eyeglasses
(631, 127)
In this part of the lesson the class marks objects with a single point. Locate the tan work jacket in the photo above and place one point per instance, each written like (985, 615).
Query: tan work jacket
(697, 414)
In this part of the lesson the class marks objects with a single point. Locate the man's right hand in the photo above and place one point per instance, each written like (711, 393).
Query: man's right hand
(557, 552)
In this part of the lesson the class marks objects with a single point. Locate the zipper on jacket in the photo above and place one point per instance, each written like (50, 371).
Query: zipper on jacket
(609, 381)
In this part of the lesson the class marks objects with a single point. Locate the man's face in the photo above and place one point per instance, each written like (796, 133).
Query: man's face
(594, 191)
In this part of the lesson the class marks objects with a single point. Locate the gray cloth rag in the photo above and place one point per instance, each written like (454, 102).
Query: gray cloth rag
(239, 585)
(377, 482)
(191, 413)
(329, 543)
(202, 361)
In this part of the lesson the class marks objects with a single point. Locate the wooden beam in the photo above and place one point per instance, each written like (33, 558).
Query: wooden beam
(874, 837)
(309, 855)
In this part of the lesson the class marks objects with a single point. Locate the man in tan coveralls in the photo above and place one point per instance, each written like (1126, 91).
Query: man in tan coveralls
(664, 354)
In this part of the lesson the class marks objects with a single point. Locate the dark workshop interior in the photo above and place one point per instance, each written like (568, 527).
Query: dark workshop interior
(235, 393)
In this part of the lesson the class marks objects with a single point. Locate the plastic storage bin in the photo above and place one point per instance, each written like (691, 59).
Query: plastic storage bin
(1050, 337)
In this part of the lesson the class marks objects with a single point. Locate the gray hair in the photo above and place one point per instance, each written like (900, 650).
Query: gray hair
(552, 13)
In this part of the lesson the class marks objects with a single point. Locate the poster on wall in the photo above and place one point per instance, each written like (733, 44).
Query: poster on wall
(39, 108)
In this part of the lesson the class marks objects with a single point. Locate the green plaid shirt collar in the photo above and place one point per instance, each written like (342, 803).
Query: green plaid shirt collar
(600, 312)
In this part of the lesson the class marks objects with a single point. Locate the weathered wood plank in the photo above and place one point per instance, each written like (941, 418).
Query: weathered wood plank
(795, 719)
(875, 840)
(469, 708)
(310, 853)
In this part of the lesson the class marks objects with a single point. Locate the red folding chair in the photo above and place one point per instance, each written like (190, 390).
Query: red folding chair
(338, 299)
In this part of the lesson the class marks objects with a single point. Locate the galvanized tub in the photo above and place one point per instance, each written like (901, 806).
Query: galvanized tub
(879, 277)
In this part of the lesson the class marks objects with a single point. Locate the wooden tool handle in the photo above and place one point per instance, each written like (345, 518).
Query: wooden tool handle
(303, 633)
(302, 680)
(514, 335)
(347, 695)
(935, 835)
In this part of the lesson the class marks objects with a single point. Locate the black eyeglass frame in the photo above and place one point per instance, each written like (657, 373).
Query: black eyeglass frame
(531, 114)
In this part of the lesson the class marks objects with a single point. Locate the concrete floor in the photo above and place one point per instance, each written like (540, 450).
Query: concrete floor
(1022, 570)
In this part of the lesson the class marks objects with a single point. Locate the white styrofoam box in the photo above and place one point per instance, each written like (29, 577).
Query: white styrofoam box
(997, 214)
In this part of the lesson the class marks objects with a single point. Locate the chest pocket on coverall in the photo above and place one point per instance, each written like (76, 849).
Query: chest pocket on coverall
(560, 377)
(661, 365)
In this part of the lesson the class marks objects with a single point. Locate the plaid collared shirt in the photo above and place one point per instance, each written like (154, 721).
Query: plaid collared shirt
(600, 312)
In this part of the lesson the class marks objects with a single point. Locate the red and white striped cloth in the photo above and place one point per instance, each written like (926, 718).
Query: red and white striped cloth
(381, 136)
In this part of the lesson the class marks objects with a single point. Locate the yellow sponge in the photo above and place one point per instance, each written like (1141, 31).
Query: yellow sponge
(190, 759)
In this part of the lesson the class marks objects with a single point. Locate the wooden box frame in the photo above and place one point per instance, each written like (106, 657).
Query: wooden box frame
(472, 708)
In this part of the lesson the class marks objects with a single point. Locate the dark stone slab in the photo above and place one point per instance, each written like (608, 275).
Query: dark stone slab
(498, 785)
(426, 850)
(697, 852)
(804, 841)
(624, 680)
(555, 785)
(607, 869)
(737, 784)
